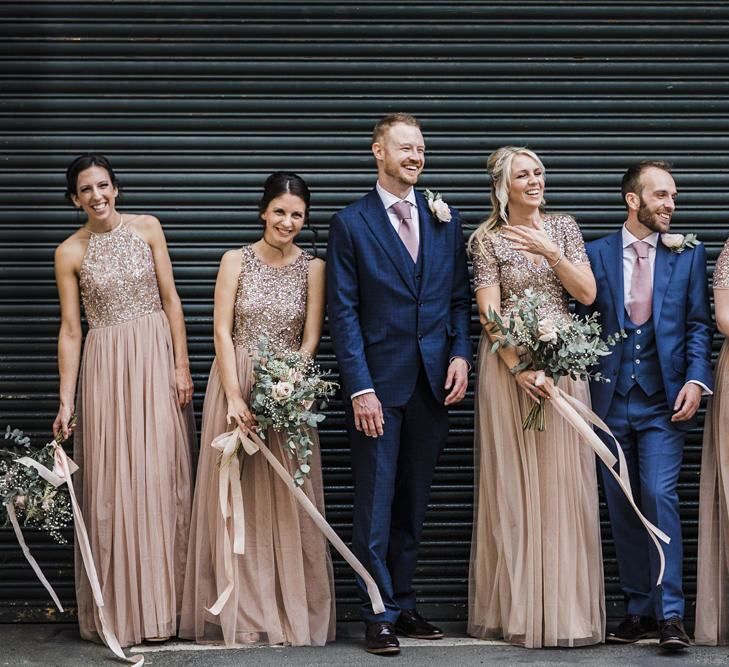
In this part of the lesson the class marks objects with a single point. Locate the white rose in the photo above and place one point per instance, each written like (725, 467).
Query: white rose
(20, 501)
(672, 241)
(547, 331)
(281, 391)
(441, 210)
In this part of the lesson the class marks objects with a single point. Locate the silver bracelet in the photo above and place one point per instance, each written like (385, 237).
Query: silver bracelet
(561, 257)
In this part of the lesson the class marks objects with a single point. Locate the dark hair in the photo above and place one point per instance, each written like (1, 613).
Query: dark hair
(386, 122)
(281, 183)
(83, 162)
(286, 182)
(631, 178)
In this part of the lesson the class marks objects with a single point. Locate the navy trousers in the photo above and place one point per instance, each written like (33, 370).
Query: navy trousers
(653, 449)
(392, 478)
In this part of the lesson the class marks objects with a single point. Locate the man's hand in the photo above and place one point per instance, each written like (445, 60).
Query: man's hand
(368, 415)
(456, 381)
(687, 402)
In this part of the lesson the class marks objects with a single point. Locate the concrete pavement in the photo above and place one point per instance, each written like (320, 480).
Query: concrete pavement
(59, 644)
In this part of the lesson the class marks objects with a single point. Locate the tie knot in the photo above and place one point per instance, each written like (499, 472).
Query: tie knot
(641, 249)
(402, 210)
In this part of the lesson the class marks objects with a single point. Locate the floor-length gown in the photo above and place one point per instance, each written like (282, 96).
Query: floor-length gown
(536, 576)
(132, 444)
(283, 590)
(712, 589)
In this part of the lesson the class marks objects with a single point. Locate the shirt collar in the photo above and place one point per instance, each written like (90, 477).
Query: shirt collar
(388, 199)
(628, 238)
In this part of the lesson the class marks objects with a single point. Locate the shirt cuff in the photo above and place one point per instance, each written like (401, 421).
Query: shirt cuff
(705, 390)
(360, 392)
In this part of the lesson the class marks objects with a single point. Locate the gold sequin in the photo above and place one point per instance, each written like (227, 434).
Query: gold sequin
(721, 270)
(496, 263)
(270, 302)
(117, 278)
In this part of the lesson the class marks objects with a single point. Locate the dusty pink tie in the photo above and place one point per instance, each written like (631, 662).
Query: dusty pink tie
(641, 284)
(406, 231)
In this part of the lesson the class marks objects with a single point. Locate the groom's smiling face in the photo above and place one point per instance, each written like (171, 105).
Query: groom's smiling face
(400, 156)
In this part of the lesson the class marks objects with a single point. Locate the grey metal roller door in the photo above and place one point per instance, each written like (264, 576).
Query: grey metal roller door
(197, 102)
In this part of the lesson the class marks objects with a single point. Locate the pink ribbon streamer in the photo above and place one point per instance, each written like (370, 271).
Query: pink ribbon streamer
(63, 468)
(226, 443)
(581, 418)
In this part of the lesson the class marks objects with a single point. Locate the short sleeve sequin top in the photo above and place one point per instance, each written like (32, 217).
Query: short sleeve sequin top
(721, 270)
(496, 263)
(270, 302)
(117, 279)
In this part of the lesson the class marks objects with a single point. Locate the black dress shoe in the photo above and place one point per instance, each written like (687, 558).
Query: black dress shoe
(412, 624)
(632, 629)
(381, 639)
(673, 636)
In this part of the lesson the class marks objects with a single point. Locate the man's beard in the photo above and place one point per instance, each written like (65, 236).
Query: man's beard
(650, 219)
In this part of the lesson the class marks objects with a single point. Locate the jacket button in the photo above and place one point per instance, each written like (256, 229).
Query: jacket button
(638, 331)
(637, 361)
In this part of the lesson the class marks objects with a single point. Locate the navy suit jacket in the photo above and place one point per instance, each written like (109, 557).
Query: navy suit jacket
(382, 325)
(681, 316)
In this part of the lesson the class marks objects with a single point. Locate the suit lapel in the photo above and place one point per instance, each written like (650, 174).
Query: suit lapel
(379, 223)
(612, 259)
(426, 235)
(665, 259)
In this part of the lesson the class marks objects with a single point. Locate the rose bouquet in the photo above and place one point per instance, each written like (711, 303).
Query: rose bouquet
(569, 346)
(286, 388)
(36, 501)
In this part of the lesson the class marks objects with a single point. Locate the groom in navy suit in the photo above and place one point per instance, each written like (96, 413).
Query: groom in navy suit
(399, 311)
(653, 286)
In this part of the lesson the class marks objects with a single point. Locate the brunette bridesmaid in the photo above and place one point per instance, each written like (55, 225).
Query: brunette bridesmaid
(283, 590)
(135, 425)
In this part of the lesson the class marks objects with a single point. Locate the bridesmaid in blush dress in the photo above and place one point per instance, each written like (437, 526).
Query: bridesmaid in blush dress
(135, 426)
(536, 575)
(712, 589)
(283, 589)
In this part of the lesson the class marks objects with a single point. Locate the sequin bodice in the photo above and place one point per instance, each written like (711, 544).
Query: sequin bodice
(117, 278)
(496, 263)
(721, 270)
(270, 302)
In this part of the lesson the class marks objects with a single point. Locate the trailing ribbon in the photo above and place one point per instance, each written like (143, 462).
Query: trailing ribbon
(63, 468)
(229, 486)
(580, 417)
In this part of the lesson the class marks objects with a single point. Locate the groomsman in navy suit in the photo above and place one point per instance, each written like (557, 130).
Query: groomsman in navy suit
(399, 311)
(653, 286)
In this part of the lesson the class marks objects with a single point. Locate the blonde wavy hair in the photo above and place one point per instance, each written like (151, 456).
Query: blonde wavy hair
(499, 168)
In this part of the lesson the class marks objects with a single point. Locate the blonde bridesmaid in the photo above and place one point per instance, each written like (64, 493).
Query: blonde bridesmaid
(135, 426)
(536, 564)
(712, 594)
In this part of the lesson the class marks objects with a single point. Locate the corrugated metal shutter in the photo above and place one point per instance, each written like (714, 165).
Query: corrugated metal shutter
(196, 102)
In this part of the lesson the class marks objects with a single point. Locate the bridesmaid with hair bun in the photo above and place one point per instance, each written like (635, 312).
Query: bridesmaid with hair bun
(135, 425)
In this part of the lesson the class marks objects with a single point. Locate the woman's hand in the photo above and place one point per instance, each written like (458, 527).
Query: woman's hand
(533, 240)
(527, 380)
(183, 381)
(60, 423)
(238, 411)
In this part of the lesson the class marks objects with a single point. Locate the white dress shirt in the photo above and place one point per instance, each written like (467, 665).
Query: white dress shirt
(388, 199)
(629, 259)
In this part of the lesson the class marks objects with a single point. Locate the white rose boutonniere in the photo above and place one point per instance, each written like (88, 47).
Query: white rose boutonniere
(438, 207)
(678, 242)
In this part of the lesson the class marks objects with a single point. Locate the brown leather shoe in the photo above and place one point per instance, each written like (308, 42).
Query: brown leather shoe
(673, 636)
(381, 639)
(411, 624)
(632, 629)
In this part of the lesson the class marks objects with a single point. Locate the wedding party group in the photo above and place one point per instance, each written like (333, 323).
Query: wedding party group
(173, 558)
